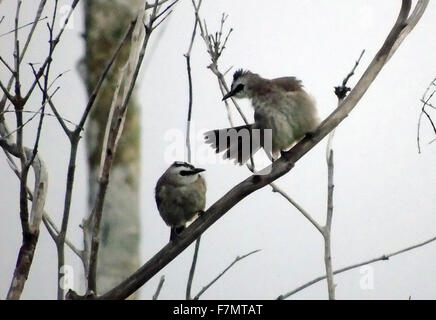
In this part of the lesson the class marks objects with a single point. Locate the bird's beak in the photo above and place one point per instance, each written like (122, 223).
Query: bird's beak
(228, 95)
(198, 170)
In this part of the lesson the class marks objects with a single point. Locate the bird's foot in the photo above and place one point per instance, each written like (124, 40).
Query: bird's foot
(309, 135)
(283, 153)
(175, 232)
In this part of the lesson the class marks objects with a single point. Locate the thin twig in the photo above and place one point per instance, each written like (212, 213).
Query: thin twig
(425, 102)
(21, 27)
(341, 93)
(328, 226)
(159, 287)
(188, 149)
(428, 104)
(22, 125)
(156, 16)
(61, 120)
(47, 114)
(54, 233)
(34, 114)
(54, 44)
(383, 257)
(150, 6)
(192, 270)
(34, 24)
(17, 54)
(6, 65)
(237, 259)
(277, 189)
(23, 52)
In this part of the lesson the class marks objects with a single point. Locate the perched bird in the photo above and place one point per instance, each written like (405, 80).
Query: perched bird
(180, 195)
(279, 104)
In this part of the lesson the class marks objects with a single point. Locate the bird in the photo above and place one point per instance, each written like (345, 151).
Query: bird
(280, 105)
(180, 195)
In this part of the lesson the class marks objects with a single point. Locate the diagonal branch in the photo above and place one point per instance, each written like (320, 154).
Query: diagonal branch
(255, 182)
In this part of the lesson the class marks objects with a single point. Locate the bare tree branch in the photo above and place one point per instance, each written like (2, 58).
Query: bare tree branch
(23, 26)
(61, 120)
(28, 157)
(159, 287)
(37, 19)
(425, 102)
(277, 189)
(54, 44)
(54, 233)
(188, 148)
(383, 257)
(192, 270)
(7, 66)
(341, 92)
(48, 222)
(30, 239)
(237, 259)
(23, 52)
(327, 229)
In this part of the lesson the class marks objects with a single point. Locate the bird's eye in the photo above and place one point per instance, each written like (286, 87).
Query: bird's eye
(239, 88)
(185, 173)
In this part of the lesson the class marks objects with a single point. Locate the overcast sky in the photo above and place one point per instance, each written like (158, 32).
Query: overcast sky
(384, 190)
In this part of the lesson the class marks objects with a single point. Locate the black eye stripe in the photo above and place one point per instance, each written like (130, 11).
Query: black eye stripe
(239, 88)
(186, 173)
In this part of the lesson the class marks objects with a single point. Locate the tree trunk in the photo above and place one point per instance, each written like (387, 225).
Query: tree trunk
(105, 23)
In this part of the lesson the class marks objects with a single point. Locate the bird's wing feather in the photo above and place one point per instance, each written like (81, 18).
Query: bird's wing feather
(158, 192)
(287, 83)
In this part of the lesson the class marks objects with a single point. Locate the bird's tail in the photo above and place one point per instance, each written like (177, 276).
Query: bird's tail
(239, 143)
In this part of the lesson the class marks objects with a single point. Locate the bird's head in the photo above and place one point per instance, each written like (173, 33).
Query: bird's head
(182, 173)
(240, 85)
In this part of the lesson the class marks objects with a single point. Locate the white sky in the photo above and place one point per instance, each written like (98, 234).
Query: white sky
(384, 189)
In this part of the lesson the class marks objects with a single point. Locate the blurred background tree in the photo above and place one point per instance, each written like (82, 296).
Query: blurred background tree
(105, 24)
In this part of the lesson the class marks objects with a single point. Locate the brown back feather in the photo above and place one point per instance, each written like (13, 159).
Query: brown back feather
(288, 83)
